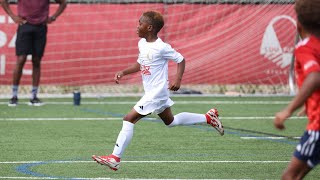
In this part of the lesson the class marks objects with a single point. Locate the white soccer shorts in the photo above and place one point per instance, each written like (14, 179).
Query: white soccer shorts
(147, 106)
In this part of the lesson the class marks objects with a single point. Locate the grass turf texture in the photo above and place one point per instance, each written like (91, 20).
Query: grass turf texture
(74, 141)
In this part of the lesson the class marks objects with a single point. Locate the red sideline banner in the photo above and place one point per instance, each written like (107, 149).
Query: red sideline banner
(222, 44)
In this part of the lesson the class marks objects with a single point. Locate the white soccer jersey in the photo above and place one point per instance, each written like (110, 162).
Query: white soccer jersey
(153, 59)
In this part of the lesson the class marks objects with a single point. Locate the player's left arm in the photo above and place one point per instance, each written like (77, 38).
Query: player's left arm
(177, 82)
(310, 84)
(61, 8)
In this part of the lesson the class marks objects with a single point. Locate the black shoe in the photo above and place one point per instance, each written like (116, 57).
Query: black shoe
(13, 101)
(35, 102)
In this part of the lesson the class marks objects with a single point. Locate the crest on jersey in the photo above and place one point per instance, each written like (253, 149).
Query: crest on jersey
(146, 57)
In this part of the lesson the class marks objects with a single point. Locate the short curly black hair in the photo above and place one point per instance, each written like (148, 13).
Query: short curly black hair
(155, 19)
(308, 14)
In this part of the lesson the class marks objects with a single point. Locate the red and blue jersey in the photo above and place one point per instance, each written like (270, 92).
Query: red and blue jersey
(307, 53)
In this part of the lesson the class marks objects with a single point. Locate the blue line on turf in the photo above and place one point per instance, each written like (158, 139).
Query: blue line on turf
(25, 169)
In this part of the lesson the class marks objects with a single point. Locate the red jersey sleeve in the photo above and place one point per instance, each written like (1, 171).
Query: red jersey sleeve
(307, 61)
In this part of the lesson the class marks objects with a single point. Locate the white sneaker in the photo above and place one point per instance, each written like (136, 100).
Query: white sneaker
(213, 119)
(112, 161)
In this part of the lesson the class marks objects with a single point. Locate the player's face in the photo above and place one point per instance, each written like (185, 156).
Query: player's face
(144, 27)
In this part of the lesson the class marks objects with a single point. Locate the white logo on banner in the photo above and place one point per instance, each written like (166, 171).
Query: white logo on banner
(3, 41)
(271, 48)
(2, 64)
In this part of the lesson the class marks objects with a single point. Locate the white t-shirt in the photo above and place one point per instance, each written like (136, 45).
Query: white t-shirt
(153, 59)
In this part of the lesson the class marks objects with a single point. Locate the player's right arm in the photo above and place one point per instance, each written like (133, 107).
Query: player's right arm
(131, 69)
(7, 9)
(310, 84)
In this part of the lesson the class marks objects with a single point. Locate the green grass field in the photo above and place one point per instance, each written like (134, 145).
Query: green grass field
(56, 141)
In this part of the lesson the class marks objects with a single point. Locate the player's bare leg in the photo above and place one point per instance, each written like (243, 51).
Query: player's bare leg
(167, 116)
(296, 169)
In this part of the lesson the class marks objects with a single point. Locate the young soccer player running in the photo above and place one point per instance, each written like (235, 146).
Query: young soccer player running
(307, 68)
(153, 65)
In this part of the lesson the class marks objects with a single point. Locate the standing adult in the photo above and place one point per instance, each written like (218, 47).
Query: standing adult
(32, 18)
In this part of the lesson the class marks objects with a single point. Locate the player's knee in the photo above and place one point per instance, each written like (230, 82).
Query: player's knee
(126, 118)
(129, 119)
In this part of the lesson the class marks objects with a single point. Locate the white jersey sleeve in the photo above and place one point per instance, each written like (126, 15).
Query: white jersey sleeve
(171, 54)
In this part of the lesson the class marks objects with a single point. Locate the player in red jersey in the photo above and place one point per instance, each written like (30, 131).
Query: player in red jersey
(307, 68)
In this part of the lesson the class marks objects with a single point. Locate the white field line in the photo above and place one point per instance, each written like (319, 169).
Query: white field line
(51, 178)
(100, 178)
(176, 102)
(106, 95)
(248, 138)
(120, 118)
(60, 119)
(32, 162)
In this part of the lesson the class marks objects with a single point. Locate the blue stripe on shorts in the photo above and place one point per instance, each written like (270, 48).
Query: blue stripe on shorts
(308, 149)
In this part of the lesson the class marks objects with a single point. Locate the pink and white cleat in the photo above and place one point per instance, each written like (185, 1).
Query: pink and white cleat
(112, 161)
(213, 119)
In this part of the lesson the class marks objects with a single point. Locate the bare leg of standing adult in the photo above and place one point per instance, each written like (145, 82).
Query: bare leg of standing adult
(36, 71)
(17, 73)
(36, 74)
